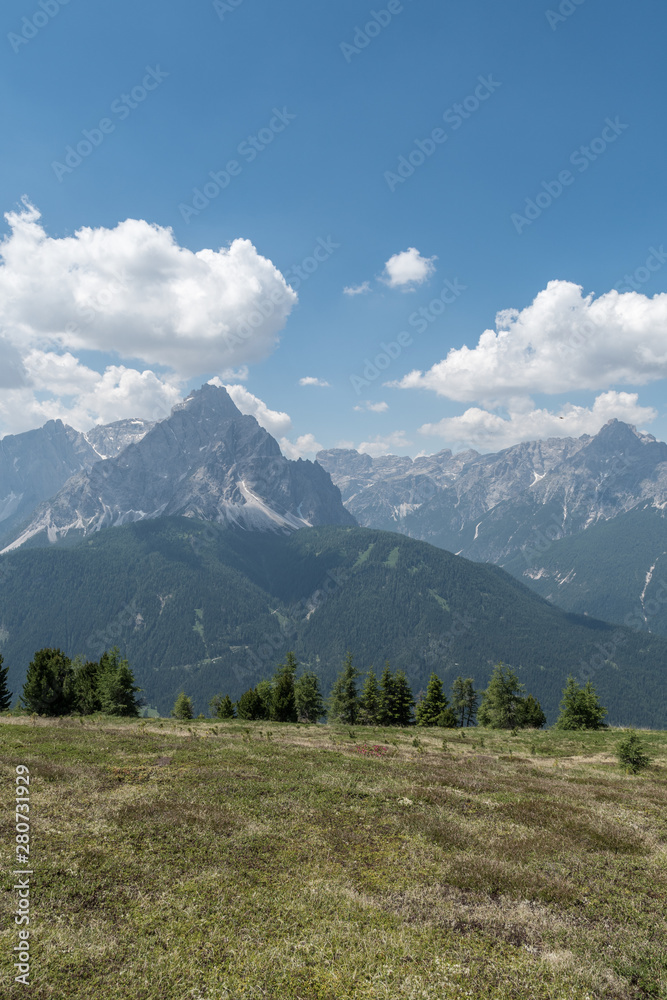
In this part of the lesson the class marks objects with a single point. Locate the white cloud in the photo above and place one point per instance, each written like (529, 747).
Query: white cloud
(273, 421)
(134, 290)
(386, 445)
(407, 269)
(62, 388)
(485, 431)
(311, 380)
(357, 289)
(304, 445)
(373, 407)
(562, 341)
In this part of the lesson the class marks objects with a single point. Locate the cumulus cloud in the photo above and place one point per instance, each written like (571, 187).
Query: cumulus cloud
(357, 289)
(63, 388)
(562, 341)
(311, 380)
(273, 421)
(408, 269)
(134, 290)
(486, 431)
(304, 445)
(386, 445)
(372, 407)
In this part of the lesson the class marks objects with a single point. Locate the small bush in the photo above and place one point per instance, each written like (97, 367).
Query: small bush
(631, 755)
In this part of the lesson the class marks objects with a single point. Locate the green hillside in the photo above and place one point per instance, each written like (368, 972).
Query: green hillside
(604, 570)
(208, 609)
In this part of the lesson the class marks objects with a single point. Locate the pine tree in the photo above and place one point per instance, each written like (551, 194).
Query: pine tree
(580, 708)
(343, 701)
(264, 692)
(183, 707)
(86, 686)
(631, 754)
(531, 715)
(387, 698)
(369, 704)
(501, 702)
(464, 701)
(49, 686)
(249, 706)
(5, 693)
(431, 707)
(308, 698)
(405, 701)
(222, 707)
(284, 703)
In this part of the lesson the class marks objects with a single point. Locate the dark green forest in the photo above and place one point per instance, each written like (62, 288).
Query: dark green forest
(205, 609)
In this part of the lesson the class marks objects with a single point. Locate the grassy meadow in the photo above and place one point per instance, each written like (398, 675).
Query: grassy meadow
(230, 861)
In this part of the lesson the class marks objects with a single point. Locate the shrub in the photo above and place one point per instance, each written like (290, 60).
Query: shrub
(631, 755)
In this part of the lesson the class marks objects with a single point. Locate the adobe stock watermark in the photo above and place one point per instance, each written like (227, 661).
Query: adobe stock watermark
(222, 7)
(295, 276)
(581, 158)
(31, 26)
(633, 282)
(364, 35)
(249, 150)
(121, 109)
(565, 11)
(22, 886)
(454, 116)
(419, 320)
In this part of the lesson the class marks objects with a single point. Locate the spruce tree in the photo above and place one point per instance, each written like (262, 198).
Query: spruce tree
(431, 707)
(183, 707)
(387, 698)
(264, 692)
(464, 701)
(631, 754)
(284, 703)
(49, 686)
(369, 704)
(249, 706)
(117, 689)
(86, 686)
(405, 701)
(5, 693)
(308, 698)
(580, 708)
(343, 701)
(501, 702)
(222, 707)
(531, 715)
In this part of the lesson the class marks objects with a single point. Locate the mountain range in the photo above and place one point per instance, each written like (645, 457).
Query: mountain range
(529, 508)
(206, 460)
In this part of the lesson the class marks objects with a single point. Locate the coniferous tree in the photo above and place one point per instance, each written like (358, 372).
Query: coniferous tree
(284, 703)
(501, 702)
(249, 706)
(369, 703)
(431, 707)
(49, 686)
(264, 692)
(115, 685)
(464, 701)
(5, 693)
(580, 708)
(631, 754)
(343, 701)
(387, 698)
(86, 686)
(222, 707)
(405, 701)
(308, 698)
(531, 715)
(183, 707)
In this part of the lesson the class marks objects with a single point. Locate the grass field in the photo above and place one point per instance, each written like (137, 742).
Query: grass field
(230, 861)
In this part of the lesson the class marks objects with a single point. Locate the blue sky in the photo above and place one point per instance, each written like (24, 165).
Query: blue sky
(316, 105)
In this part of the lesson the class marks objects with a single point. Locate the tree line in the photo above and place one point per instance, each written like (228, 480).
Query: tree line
(389, 701)
(56, 685)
